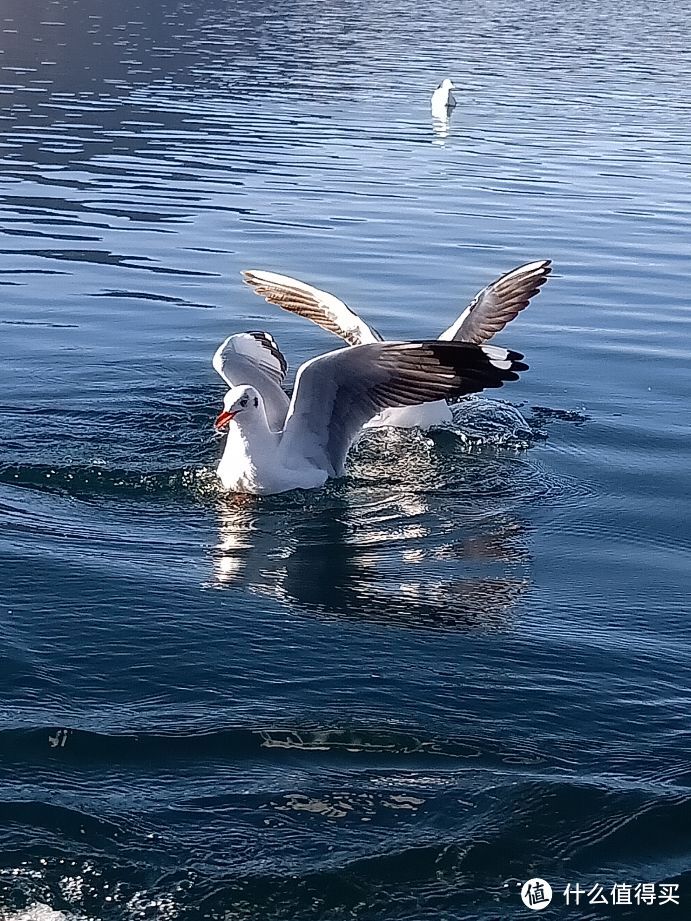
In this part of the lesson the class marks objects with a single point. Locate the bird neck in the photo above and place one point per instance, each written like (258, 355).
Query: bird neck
(252, 429)
(249, 453)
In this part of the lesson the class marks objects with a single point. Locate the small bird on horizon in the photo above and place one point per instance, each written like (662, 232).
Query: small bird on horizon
(443, 101)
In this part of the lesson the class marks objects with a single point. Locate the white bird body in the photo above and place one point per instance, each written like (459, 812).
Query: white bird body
(443, 100)
(487, 314)
(334, 396)
(252, 461)
(422, 416)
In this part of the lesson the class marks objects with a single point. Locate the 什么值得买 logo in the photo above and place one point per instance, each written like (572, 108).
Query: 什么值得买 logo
(536, 894)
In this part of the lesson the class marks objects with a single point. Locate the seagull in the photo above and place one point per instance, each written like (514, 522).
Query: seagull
(443, 100)
(487, 314)
(335, 394)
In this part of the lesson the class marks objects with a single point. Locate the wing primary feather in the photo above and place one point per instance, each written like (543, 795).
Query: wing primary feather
(322, 308)
(337, 393)
(499, 303)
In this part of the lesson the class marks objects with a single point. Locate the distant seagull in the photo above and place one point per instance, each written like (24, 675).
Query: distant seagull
(334, 396)
(487, 314)
(443, 101)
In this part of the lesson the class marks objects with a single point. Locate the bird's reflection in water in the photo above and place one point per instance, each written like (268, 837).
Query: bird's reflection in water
(373, 550)
(236, 541)
(442, 129)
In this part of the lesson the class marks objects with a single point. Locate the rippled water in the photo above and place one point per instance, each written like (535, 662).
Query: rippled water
(467, 663)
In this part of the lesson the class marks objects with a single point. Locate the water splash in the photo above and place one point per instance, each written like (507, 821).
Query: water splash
(481, 423)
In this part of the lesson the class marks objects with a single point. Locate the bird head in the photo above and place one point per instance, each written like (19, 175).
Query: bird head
(243, 400)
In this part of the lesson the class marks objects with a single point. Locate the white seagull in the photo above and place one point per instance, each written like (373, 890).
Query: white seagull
(487, 314)
(443, 101)
(335, 394)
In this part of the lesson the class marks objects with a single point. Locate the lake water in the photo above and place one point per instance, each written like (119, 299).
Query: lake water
(464, 665)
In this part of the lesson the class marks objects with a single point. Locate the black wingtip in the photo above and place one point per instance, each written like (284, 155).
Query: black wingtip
(478, 367)
(271, 345)
(514, 356)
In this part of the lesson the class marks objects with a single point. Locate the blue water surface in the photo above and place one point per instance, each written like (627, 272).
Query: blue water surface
(465, 664)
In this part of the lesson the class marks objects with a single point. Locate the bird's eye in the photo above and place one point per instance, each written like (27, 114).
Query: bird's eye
(243, 402)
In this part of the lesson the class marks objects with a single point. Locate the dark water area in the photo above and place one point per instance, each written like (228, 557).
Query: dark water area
(462, 666)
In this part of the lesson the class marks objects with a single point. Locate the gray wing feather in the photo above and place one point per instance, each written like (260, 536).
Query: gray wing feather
(255, 359)
(497, 304)
(337, 393)
(322, 308)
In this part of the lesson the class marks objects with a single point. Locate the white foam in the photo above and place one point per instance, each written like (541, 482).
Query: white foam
(38, 911)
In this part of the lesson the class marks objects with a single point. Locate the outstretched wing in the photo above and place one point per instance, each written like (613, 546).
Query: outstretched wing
(497, 304)
(255, 359)
(337, 393)
(320, 307)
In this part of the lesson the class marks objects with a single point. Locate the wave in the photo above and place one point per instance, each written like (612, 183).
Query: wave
(479, 425)
(96, 480)
(78, 745)
(364, 851)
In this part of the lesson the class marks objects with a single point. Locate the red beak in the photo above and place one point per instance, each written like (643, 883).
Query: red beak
(222, 420)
